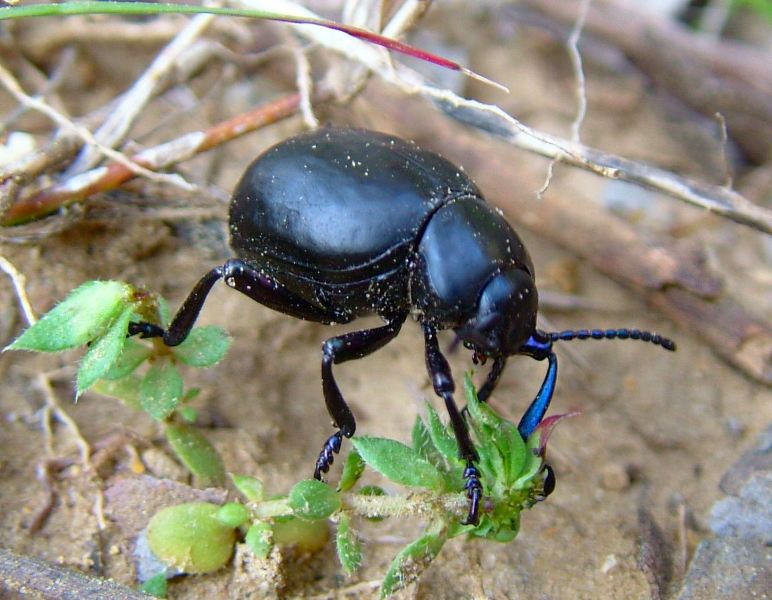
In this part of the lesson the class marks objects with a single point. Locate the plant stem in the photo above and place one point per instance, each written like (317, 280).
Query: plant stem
(420, 504)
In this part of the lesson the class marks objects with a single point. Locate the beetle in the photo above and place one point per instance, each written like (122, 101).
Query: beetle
(335, 224)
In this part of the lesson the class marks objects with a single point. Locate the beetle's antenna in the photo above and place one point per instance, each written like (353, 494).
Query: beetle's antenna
(612, 334)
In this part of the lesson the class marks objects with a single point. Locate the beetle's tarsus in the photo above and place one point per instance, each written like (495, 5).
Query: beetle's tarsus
(145, 330)
(327, 455)
(474, 491)
(549, 482)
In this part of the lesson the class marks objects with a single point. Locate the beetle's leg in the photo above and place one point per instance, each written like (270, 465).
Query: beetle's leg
(540, 404)
(442, 381)
(492, 380)
(186, 315)
(242, 277)
(338, 350)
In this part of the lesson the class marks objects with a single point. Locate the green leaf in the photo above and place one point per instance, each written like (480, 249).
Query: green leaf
(348, 546)
(442, 438)
(399, 462)
(188, 413)
(133, 355)
(413, 560)
(204, 347)
(156, 586)
(422, 443)
(306, 536)
(259, 539)
(164, 314)
(352, 471)
(197, 454)
(233, 514)
(313, 500)
(480, 412)
(103, 353)
(512, 446)
(161, 389)
(250, 487)
(125, 389)
(84, 315)
(191, 537)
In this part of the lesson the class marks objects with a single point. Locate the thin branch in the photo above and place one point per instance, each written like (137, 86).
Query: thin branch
(581, 96)
(10, 83)
(19, 284)
(111, 176)
(728, 179)
(115, 128)
(715, 199)
(709, 75)
(54, 407)
(576, 63)
(305, 86)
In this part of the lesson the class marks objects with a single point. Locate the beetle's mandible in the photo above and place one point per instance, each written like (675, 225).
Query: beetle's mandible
(338, 223)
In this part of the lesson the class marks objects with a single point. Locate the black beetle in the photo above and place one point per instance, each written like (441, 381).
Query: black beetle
(338, 223)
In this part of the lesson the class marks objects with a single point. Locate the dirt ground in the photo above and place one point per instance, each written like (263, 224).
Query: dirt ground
(656, 433)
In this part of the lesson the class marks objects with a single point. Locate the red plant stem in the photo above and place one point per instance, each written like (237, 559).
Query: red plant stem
(50, 199)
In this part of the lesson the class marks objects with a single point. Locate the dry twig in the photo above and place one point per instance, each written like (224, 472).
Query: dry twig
(708, 74)
(111, 176)
(19, 285)
(581, 92)
(10, 83)
(114, 130)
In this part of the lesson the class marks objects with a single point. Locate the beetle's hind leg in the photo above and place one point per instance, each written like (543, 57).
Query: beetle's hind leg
(243, 277)
(335, 351)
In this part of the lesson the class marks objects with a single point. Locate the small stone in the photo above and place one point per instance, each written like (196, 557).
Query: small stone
(615, 477)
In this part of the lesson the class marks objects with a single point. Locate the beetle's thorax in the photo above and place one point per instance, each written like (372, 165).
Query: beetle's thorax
(464, 245)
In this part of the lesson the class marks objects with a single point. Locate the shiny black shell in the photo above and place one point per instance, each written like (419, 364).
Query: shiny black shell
(337, 216)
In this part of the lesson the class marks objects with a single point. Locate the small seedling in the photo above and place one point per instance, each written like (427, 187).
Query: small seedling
(143, 375)
(430, 468)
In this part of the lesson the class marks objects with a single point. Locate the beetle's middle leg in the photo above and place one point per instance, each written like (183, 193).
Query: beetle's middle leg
(349, 346)
(442, 381)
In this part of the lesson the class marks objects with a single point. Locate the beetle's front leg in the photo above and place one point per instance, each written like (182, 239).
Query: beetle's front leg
(540, 404)
(492, 380)
(442, 381)
(335, 351)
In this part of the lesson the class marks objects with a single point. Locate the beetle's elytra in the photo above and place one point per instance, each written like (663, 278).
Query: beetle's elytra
(338, 223)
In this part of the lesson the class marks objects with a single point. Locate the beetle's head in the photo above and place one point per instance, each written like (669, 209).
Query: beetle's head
(505, 317)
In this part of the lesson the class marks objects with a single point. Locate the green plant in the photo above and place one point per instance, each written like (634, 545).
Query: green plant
(760, 7)
(144, 375)
(513, 471)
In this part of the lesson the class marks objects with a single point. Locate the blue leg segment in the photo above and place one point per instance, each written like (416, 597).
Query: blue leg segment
(539, 406)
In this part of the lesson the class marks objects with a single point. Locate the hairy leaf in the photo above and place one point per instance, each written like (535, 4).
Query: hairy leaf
(399, 462)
